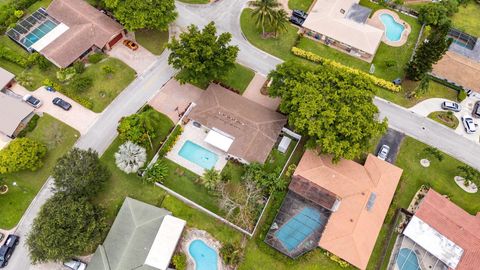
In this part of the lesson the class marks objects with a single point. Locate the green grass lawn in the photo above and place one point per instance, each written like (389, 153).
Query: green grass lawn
(276, 160)
(59, 139)
(467, 19)
(152, 40)
(195, 1)
(300, 4)
(38, 4)
(444, 118)
(238, 78)
(106, 88)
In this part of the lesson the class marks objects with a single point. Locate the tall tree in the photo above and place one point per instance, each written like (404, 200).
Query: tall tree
(264, 11)
(80, 173)
(140, 128)
(202, 56)
(280, 21)
(433, 14)
(22, 154)
(429, 52)
(335, 109)
(150, 14)
(66, 226)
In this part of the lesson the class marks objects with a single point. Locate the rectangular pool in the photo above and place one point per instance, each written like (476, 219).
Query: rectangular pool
(198, 155)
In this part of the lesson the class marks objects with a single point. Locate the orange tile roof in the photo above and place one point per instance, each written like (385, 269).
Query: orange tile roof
(352, 230)
(455, 224)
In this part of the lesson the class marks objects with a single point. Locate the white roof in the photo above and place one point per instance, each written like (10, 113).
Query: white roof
(328, 17)
(5, 77)
(433, 242)
(165, 242)
(12, 112)
(50, 37)
(219, 140)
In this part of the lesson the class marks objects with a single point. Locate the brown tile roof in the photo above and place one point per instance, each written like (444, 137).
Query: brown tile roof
(352, 230)
(87, 27)
(312, 192)
(254, 127)
(455, 224)
(16, 111)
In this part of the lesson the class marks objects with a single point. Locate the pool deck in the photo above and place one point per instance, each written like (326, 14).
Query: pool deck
(191, 235)
(376, 22)
(426, 261)
(196, 135)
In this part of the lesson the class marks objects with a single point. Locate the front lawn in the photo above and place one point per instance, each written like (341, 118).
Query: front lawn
(59, 139)
(466, 19)
(238, 78)
(445, 118)
(300, 4)
(195, 1)
(152, 40)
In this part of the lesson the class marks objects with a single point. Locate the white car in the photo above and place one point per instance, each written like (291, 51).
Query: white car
(468, 124)
(383, 152)
(32, 101)
(75, 265)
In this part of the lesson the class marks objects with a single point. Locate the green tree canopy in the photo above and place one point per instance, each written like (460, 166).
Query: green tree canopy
(433, 14)
(80, 173)
(333, 108)
(22, 154)
(150, 14)
(211, 178)
(202, 56)
(269, 182)
(140, 128)
(265, 12)
(66, 226)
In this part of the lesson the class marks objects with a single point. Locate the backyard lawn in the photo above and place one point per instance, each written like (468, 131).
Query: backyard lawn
(38, 4)
(467, 19)
(152, 40)
(59, 139)
(300, 4)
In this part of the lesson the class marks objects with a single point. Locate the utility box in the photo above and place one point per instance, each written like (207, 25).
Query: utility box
(284, 144)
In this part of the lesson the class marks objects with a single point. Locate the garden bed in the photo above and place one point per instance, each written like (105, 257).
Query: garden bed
(445, 118)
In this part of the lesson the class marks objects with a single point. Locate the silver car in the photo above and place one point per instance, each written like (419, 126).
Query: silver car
(32, 101)
(383, 152)
(75, 265)
(451, 106)
(468, 124)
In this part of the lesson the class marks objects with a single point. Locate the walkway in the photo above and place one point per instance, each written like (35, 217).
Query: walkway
(253, 93)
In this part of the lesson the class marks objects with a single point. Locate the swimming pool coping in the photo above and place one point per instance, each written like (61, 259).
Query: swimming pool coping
(375, 21)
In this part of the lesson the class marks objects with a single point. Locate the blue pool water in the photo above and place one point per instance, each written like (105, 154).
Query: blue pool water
(205, 257)
(39, 32)
(407, 260)
(393, 30)
(198, 155)
(298, 228)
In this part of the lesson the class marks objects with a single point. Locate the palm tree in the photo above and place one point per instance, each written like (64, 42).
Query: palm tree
(264, 11)
(211, 178)
(150, 120)
(280, 21)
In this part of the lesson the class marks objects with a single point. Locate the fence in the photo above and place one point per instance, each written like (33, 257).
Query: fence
(397, 7)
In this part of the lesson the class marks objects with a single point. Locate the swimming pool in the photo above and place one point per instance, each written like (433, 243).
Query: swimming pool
(39, 32)
(204, 256)
(198, 155)
(301, 226)
(407, 260)
(393, 29)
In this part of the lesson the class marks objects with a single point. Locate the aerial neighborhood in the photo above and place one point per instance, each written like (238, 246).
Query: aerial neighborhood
(239, 134)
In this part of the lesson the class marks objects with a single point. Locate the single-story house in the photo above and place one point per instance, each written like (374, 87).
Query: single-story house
(142, 237)
(6, 79)
(15, 115)
(66, 30)
(338, 207)
(343, 25)
(446, 232)
(243, 129)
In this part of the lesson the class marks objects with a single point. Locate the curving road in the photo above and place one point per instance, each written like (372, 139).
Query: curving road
(226, 15)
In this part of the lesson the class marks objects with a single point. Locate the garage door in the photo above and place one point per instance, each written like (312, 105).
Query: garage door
(115, 40)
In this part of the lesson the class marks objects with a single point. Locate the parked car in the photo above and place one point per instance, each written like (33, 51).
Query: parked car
(7, 249)
(297, 20)
(32, 101)
(476, 110)
(75, 264)
(61, 103)
(130, 44)
(468, 124)
(299, 13)
(451, 106)
(383, 152)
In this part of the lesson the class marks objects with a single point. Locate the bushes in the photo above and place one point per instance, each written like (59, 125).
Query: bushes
(22, 154)
(170, 142)
(95, 58)
(11, 12)
(79, 67)
(230, 253)
(66, 74)
(318, 59)
(32, 124)
(179, 260)
(81, 84)
(11, 56)
(462, 95)
(337, 259)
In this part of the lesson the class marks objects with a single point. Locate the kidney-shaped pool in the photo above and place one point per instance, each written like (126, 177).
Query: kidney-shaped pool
(205, 257)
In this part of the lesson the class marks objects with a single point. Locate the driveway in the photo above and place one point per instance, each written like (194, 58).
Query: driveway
(78, 117)
(393, 139)
(253, 93)
(175, 98)
(140, 60)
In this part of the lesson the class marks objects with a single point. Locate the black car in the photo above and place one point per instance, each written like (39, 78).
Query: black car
(61, 103)
(299, 13)
(297, 20)
(476, 110)
(7, 249)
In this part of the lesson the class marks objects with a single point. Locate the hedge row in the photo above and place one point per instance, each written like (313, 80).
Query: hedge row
(11, 56)
(318, 59)
(171, 140)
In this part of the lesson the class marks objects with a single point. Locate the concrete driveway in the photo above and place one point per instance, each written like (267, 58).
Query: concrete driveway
(139, 60)
(174, 99)
(393, 139)
(78, 117)
(253, 93)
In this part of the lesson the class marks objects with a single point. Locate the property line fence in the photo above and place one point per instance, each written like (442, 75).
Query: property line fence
(418, 41)
(397, 7)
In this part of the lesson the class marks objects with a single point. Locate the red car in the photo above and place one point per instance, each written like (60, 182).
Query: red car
(130, 44)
